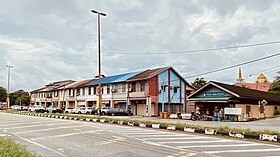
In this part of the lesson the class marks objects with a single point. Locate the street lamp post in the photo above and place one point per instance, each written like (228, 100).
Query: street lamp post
(99, 59)
(8, 94)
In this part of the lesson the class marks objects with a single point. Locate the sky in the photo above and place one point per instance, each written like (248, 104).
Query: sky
(51, 40)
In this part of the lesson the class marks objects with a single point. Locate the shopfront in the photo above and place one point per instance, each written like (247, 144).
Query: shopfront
(217, 98)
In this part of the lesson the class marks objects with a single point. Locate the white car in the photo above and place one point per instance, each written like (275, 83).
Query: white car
(68, 110)
(37, 108)
(81, 110)
(88, 110)
(74, 110)
(16, 107)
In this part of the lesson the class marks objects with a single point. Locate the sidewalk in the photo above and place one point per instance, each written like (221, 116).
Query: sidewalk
(272, 124)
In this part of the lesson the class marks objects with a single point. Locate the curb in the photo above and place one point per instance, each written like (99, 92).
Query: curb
(243, 135)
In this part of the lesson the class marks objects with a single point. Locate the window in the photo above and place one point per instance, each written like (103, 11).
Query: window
(248, 109)
(102, 90)
(123, 87)
(81, 91)
(89, 91)
(94, 90)
(84, 91)
(108, 89)
(142, 86)
(133, 88)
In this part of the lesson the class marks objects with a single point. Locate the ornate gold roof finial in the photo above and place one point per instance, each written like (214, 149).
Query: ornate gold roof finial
(262, 79)
(239, 77)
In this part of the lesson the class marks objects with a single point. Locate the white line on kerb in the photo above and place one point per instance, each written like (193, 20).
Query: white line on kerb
(242, 151)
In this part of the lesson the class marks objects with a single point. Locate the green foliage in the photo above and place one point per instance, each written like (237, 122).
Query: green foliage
(276, 112)
(275, 88)
(3, 94)
(198, 83)
(10, 149)
(18, 97)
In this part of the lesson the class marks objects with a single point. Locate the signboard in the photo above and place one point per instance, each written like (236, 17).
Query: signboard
(147, 110)
(129, 108)
(214, 94)
(233, 111)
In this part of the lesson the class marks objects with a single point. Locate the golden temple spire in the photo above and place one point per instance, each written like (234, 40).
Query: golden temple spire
(239, 77)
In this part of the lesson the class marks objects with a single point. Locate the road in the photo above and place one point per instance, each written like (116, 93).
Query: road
(57, 137)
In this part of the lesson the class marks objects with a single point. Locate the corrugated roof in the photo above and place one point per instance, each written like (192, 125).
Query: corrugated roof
(77, 84)
(147, 74)
(113, 79)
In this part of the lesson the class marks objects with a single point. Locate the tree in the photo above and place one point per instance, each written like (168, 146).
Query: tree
(19, 97)
(3, 94)
(275, 86)
(198, 83)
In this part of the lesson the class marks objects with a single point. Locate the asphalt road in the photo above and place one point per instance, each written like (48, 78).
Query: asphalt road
(57, 137)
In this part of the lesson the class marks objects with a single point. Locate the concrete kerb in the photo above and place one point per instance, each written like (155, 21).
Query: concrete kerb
(243, 135)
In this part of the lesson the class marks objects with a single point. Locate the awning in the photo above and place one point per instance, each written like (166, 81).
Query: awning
(210, 99)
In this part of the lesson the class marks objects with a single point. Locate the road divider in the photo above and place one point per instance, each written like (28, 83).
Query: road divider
(167, 126)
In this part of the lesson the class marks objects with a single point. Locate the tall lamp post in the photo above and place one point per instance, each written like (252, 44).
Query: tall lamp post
(99, 58)
(8, 94)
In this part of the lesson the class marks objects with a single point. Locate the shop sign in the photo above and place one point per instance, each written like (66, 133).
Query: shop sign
(214, 94)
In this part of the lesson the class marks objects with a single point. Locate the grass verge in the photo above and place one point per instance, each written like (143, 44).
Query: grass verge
(8, 148)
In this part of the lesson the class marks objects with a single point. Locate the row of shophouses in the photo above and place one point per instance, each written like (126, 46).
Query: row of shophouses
(145, 93)
(149, 92)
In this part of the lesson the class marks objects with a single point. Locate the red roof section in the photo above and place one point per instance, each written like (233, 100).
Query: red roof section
(256, 86)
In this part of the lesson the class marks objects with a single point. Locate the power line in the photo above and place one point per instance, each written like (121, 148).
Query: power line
(233, 66)
(193, 51)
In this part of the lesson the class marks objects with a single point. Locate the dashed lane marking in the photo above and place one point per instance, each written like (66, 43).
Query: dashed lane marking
(65, 135)
(117, 139)
(29, 126)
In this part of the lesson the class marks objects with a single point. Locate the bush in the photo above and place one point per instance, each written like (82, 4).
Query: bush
(276, 112)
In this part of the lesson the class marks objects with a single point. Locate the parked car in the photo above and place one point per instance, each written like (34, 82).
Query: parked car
(24, 108)
(53, 109)
(16, 107)
(94, 111)
(74, 110)
(118, 112)
(68, 110)
(104, 110)
(81, 110)
(3, 107)
(88, 110)
(36, 108)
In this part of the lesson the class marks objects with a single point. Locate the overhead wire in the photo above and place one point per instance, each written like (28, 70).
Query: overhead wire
(193, 51)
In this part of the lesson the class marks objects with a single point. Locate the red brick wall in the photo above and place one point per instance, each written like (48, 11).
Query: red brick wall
(153, 86)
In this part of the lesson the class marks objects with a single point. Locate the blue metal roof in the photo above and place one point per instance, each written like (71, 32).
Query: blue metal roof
(113, 79)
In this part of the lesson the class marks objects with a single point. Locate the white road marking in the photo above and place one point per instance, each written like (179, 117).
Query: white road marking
(9, 122)
(65, 135)
(148, 133)
(40, 145)
(243, 151)
(19, 123)
(229, 145)
(29, 126)
(178, 138)
(167, 135)
(182, 142)
(49, 129)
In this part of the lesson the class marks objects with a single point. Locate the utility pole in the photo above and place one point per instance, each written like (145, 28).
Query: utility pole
(8, 94)
(99, 59)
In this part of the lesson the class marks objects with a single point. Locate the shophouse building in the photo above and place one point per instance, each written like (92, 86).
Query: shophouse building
(157, 90)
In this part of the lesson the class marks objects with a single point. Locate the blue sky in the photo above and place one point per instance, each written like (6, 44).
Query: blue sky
(50, 40)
